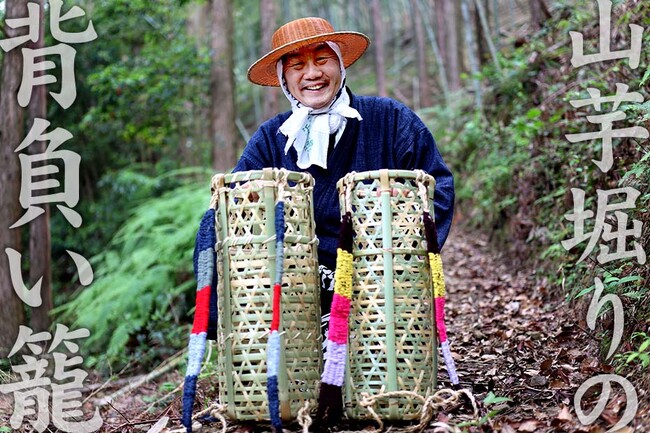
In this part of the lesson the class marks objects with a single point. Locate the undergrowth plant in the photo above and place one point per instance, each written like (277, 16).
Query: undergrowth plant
(514, 168)
(641, 355)
(496, 405)
(139, 303)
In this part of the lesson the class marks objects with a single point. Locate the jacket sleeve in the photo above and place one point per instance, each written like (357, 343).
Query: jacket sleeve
(419, 151)
(261, 150)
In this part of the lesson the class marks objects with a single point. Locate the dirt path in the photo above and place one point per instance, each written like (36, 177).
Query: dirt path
(509, 341)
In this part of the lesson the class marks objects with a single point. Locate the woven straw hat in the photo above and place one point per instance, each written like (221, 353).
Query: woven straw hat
(299, 33)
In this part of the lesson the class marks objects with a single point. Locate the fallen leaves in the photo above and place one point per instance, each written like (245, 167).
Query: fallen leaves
(538, 381)
(513, 344)
(528, 426)
(564, 415)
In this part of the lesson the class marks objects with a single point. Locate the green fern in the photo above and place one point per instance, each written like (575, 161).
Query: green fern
(143, 280)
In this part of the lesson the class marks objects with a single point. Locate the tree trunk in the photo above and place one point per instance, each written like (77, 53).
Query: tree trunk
(39, 229)
(481, 37)
(268, 24)
(511, 13)
(538, 14)
(433, 40)
(222, 88)
(11, 134)
(471, 54)
(439, 11)
(451, 24)
(423, 76)
(377, 28)
(483, 19)
(394, 30)
(496, 24)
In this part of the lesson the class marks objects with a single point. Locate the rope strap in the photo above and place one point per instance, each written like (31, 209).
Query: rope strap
(330, 403)
(430, 405)
(438, 282)
(217, 411)
(304, 419)
(273, 348)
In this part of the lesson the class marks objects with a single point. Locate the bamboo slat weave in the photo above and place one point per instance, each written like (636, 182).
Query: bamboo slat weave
(392, 320)
(246, 266)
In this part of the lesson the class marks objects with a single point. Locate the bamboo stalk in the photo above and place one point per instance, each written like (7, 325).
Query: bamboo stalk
(226, 345)
(387, 244)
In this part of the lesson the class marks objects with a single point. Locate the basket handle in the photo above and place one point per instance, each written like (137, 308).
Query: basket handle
(422, 189)
(216, 184)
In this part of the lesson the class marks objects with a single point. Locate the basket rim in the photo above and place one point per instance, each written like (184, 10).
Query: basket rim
(266, 174)
(354, 177)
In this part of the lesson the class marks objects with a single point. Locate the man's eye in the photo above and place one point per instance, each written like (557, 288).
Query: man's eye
(296, 65)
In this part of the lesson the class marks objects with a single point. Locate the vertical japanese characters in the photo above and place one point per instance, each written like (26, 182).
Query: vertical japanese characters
(38, 399)
(611, 204)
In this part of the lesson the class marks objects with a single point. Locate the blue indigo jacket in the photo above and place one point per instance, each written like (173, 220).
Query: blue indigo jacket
(390, 136)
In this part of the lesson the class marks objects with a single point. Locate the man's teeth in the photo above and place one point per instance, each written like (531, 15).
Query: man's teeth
(320, 86)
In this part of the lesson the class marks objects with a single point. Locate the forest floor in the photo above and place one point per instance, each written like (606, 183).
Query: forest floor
(509, 337)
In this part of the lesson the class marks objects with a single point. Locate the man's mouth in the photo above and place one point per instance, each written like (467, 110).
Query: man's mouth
(315, 87)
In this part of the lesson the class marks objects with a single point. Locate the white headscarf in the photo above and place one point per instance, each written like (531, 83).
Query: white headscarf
(308, 130)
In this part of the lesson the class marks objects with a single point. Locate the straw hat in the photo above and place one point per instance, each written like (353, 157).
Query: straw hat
(301, 32)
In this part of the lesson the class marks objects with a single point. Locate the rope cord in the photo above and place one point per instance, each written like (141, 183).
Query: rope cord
(430, 405)
(422, 190)
(282, 183)
(437, 281)
(304, 419)
(217, 411)
(347, 180)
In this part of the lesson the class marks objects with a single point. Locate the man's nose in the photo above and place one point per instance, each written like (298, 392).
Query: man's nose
(312, 71)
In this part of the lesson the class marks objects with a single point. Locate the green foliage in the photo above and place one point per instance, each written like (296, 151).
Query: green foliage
(491, 399)
(611, 283)
(149, 77)
(120, 191)
(141, 101)
(639, 356)
(140, 88)
(139, 301)
(514, 168)
(496, 156)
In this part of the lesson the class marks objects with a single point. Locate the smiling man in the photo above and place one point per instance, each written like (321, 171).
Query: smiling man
(313, 74)
(330, 132)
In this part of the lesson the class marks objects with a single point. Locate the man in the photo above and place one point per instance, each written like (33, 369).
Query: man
(330, 132)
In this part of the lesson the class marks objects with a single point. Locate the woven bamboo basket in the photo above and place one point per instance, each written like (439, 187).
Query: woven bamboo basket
(246, 248)
(392, 343)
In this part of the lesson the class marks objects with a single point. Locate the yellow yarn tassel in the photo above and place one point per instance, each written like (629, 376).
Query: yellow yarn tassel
(435, 261)
(343, 277)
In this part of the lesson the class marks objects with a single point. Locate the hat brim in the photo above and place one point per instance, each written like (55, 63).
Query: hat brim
(353, 45)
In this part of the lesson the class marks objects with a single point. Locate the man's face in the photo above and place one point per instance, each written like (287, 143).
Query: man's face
(313, 74)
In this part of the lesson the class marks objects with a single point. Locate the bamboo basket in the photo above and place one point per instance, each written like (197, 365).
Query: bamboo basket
(392, 344)
(245, 204)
